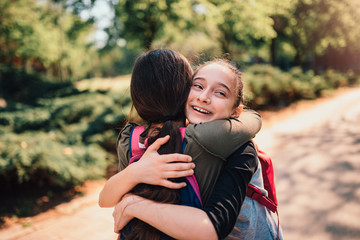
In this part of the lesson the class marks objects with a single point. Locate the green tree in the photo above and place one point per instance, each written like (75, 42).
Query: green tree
(144, 21)
(43, 37)
(239, 24)
(314, 27)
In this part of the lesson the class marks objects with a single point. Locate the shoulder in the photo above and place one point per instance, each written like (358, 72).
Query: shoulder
(244, 156)
(122, 145)
(247, 148)
(126, 131)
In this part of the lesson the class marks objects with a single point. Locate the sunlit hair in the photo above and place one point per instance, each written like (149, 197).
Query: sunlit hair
(237, 76)
(160, 85)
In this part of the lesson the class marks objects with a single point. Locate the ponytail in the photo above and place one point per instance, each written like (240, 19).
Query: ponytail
(142, 230)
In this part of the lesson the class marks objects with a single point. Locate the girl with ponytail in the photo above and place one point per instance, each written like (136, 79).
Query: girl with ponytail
(160, 84)
(159, 88)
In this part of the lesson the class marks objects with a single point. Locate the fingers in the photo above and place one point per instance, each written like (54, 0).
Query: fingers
(173, 185)
(178, 174)
(178, 166)
(159, 142)
(116, 220)
(182, 169)
(176, 157)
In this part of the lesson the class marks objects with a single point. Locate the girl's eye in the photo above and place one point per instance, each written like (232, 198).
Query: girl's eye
(221, 93)
(197, 86)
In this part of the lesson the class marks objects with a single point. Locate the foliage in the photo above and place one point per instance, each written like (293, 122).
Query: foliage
(239, 24)
(44, 38)
(60, 141)
(323, 33)
(267, 86)
(114, 62)
(38, 158)
(143, 21)
(49, 37)
(19, 86)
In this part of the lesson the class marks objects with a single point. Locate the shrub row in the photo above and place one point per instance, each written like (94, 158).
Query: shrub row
(267, 86)
(40, 159)
(60, 141)
(19, 86)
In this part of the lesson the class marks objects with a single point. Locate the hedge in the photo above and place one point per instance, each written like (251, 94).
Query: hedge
(267, 86)
(60, 141)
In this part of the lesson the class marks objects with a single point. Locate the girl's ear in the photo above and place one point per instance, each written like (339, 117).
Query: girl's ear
(237, 111)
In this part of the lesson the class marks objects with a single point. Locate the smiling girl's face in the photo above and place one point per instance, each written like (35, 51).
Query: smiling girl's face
(213, 95)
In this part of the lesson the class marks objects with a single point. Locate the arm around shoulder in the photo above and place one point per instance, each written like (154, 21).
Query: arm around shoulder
(223, 137)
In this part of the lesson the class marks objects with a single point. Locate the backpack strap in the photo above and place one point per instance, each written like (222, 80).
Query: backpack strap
(136, 149)
(191, 179)
(268, 174)
(254, 193)
(270, 201)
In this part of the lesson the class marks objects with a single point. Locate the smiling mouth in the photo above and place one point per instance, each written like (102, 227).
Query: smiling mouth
(201, 110)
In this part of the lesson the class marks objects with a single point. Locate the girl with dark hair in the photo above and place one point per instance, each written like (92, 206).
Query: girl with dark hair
(209, 144)
(160, 83)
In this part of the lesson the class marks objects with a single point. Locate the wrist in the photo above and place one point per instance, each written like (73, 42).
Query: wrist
(136, 204)
(134, 174)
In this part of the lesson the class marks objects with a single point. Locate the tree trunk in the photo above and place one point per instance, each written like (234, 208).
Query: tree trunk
(316, 64)
(273, 51)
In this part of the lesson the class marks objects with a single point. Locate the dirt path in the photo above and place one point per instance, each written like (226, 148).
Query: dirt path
(315, 147)
(317, 162)
(79, 219)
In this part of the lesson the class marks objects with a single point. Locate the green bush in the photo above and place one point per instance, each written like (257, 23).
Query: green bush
(267, 86)
(39, 158)
(19, 86)
(60, 141)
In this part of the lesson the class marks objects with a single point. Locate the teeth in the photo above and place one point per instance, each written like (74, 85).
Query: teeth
(201, 110)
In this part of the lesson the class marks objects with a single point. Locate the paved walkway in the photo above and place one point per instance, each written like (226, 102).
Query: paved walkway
(316, 153)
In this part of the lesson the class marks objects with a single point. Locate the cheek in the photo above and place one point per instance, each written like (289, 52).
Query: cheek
(190, 96)
(187, 105)
(228, 108)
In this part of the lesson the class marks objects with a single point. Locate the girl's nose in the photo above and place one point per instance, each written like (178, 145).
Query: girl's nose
(204, 97)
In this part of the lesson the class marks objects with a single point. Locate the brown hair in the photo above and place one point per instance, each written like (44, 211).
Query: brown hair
(160, 84)
(237, 76)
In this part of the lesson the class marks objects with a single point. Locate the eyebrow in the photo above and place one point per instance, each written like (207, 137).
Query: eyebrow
(220, 83)
(225, 86)
(195, 78)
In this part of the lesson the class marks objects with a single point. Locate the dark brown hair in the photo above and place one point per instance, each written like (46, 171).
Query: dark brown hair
(160, 85)
(237, 76)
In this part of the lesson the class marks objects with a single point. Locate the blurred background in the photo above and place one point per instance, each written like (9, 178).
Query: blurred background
(65, 67)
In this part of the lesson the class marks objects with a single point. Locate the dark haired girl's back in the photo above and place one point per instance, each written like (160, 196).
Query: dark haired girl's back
(160, 84)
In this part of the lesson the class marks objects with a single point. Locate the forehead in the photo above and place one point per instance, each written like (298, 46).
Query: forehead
(214, 67)
(217, 72)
